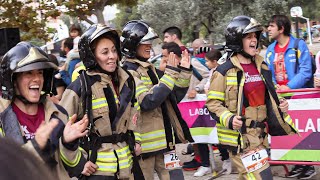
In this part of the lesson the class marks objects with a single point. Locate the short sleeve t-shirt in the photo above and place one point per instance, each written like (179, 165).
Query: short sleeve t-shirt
(279, 65)
(254, 88)
(29, 123)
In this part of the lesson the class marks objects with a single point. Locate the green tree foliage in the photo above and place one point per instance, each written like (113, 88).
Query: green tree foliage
(29, 16)
(124, 15)
(214, 15)
(84, 8)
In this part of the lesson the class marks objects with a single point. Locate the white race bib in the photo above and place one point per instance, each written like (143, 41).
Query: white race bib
(254, 160)
(171, 160)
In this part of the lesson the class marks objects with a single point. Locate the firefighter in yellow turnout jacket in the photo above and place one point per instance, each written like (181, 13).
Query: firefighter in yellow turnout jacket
(158, 93)
(105, 92)
(243, 100)
(27, 115)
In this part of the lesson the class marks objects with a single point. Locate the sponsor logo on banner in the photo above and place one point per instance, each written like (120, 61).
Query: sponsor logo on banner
(197, 116)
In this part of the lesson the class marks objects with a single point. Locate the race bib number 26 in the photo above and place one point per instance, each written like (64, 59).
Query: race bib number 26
(254, 160)
(171, 160)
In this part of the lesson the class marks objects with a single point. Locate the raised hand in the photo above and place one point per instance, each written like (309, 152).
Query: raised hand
(172, 61)
(185, 61)
(43, 132)
(73, 130)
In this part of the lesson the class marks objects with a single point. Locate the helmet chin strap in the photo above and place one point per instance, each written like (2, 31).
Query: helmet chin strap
(25, 101)
(141, 58)
(246, 55)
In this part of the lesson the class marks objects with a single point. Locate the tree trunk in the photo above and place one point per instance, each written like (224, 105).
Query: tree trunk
(210, 25)
(195, 33)
(99, 14)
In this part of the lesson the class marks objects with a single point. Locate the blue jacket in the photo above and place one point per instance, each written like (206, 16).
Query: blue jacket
(304, 72)
(66, 75)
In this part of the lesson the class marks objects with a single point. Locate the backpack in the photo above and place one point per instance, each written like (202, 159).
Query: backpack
(309, 84)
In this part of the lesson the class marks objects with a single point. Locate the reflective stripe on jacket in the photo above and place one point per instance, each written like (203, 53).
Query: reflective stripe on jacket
(225, 101)
(170, 88)
(109, 156)
(11, 128)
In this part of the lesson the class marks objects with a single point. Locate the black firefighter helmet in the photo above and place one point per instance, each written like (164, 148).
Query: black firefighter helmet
(136, 32)
(85, 44)
(237, 28)
(21, 58)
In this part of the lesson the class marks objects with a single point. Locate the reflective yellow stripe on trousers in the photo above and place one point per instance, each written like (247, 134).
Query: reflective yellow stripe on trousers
(250, 176)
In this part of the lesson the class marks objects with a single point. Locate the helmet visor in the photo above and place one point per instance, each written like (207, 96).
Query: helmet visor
(253, 26)
(36, 65)
(149, 36)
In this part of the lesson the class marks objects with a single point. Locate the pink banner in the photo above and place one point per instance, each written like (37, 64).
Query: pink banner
(304, 109)
(196, 114)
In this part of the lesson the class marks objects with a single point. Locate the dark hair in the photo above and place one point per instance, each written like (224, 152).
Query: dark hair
(172, 47)
(68, 43)
(93, 45)
(173, 30)
(282, 21)
(213, 55)
(19, 164)
(76, 27)
(53, 59)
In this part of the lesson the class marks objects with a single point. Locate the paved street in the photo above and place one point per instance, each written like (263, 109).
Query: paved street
(278, 171)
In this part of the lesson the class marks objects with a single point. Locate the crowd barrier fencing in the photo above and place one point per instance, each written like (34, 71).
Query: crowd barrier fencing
(299, 149)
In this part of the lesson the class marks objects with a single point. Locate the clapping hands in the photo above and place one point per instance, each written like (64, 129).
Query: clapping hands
(74, 130)
(185, 61)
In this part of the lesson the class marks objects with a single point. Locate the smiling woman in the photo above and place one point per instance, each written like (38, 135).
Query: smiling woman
(106, 54)
(106, 93)
(31, 119)
(29, 85)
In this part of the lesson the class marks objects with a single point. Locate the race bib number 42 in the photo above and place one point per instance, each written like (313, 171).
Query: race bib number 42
(254, 160)
(171, 160)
